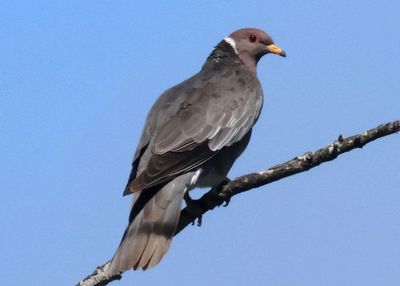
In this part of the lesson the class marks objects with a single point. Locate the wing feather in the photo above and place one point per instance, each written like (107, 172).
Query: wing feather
(198, 119)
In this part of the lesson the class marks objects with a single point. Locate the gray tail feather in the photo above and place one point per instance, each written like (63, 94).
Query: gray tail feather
(149, 234)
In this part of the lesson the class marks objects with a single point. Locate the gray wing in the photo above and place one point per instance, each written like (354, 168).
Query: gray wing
(167, 103)
(190, 123)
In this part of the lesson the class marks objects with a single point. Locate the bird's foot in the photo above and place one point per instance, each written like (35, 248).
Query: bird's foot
(191, 205)
(199, 220)
(226, 202)
(188, 199)
(221, 187)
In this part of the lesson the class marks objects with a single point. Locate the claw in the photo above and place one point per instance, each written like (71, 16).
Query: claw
(189, 202)
(221, 188)
(226, 202)
(199, 220)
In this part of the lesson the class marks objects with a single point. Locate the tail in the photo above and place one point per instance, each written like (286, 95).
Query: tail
(149, 234)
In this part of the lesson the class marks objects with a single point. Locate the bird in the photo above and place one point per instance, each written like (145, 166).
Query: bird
(192, 136)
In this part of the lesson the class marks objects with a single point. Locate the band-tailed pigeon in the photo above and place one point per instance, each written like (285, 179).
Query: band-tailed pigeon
(192, 136)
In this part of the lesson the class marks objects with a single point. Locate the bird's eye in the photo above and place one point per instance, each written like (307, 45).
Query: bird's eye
(252, 38)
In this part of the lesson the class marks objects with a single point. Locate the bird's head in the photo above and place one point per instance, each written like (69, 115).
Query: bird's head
(251, 44)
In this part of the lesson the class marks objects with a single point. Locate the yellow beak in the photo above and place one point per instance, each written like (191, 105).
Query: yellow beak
(274, 49)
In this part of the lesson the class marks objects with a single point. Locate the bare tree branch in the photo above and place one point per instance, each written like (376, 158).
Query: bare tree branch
(99, 277)
(217, 196)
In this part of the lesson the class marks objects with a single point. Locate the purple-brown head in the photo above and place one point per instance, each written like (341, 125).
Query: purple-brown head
(250, 44)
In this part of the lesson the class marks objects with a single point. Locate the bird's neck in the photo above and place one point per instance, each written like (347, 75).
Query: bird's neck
(224, 55)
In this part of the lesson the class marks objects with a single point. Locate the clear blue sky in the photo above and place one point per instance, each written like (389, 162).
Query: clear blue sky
(77, 79)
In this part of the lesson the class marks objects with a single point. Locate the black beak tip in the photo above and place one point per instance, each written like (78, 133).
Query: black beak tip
(283, 54)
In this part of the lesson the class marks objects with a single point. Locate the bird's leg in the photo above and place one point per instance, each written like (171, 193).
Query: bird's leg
(188, 199)
(220, 187)
(194, 207)
(191, 205)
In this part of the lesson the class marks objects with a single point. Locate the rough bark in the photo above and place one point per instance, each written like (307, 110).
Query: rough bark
(216, 197)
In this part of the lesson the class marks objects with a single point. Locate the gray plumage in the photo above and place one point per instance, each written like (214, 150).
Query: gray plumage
(193, 134)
